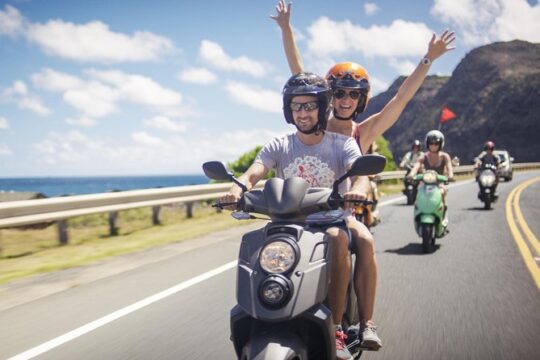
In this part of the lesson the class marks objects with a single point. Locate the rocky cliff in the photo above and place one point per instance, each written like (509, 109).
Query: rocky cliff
(495, 93)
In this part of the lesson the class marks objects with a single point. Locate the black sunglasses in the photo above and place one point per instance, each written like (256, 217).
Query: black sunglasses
(340, 94)
(308, 106)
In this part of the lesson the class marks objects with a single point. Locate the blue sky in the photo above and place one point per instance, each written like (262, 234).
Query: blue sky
(128, 87)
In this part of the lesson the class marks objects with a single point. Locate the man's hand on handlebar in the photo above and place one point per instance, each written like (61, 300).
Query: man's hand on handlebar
(351, 196)
(228, 199)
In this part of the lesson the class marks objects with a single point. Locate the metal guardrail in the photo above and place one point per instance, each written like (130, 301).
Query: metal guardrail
(26, 212)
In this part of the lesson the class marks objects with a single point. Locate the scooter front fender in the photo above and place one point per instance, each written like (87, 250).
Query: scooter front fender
(427, 219)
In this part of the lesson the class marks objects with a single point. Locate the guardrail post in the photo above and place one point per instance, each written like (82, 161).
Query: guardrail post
(62, 232)
(189, 210)
(155, 215)
(113, 217)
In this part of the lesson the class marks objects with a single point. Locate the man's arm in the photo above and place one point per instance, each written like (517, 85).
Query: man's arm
(250, 178)
(291, 50)
(405, 160)
(377, 124)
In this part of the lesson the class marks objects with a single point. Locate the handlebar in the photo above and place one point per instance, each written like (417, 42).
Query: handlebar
(221, 205)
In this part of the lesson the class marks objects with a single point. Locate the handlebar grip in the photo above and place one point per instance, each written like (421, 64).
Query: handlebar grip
(221, 205)
(364, 202)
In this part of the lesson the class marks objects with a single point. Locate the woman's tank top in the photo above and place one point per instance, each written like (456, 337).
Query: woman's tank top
(438, 168)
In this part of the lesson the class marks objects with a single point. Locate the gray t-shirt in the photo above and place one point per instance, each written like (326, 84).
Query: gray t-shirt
(318, 164)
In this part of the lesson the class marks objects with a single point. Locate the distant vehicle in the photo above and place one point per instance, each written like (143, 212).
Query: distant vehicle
(505, 168)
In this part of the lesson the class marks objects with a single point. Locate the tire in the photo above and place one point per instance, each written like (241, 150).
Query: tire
(487, 202)
(428, 238)
(410, 198)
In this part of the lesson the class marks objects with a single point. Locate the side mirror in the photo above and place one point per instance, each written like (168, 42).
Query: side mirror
(364, 165)
(511, 159)
(216, 170)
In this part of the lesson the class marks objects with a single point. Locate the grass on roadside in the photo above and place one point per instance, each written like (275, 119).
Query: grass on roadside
(29, 252)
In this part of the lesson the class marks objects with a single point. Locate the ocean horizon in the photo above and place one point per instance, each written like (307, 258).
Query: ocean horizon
(80, 185)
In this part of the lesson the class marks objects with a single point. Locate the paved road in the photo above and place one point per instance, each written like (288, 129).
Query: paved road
(473, 298)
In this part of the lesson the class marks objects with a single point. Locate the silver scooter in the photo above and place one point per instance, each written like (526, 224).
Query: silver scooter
(283, 272)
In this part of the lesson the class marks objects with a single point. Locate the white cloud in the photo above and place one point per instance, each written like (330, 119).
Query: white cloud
(138, 89)
(164, 123)
(93, 99)
(5, 150)
(101, 92)
(145, 154)
(35, 105)
(144, 138)
(18, 88)
(213, 54)
(370, 8)
(18, 93)
(82, 121)
(52, 80)
(200, 76)
(401, 38)
(405, 67)
(480, 22)
(93, 41)
(12, 23)
(4, 123)
(257, 98)
(377, 85)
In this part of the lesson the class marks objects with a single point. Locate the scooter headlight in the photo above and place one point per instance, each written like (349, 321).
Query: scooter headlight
(277, 257)
(275, 290)
(487, 179)
(430, 177)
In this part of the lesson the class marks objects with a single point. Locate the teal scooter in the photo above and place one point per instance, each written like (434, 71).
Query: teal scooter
(429, 209)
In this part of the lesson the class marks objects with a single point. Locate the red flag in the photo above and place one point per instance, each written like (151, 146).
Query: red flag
(446, 114)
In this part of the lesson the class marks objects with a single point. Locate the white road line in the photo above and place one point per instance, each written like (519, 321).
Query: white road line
(51, 344)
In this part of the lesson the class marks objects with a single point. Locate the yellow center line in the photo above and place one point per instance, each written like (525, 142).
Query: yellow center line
(530, 262)
(521, 220)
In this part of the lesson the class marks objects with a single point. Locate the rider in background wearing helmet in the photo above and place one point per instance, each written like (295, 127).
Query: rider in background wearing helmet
(435, 159)
(319, 157)
(486, 157)
(411, 157)
(351, 90)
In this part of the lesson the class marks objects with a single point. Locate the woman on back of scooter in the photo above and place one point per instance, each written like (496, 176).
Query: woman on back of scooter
(437, 160)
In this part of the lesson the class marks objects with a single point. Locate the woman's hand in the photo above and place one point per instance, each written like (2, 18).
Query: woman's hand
(441, 45)
(283, 14)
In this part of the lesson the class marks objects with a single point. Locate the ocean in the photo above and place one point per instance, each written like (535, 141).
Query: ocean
(59, 186)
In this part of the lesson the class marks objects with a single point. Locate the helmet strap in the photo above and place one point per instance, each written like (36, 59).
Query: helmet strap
(343, 118)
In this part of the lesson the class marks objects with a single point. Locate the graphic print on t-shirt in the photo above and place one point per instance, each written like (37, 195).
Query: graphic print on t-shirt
(311, 169)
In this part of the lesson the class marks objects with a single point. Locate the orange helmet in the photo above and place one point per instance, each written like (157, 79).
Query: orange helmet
(352, 76)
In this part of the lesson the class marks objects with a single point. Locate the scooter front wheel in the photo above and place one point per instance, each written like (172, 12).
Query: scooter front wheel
(487, 203)
(428, 238)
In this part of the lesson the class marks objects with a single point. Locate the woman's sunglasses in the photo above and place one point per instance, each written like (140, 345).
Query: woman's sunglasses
(308, 106)
(340, 94)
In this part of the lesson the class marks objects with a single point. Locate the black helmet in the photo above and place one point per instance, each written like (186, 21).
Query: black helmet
(435, 136)
(416, 143)
(308, 84)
